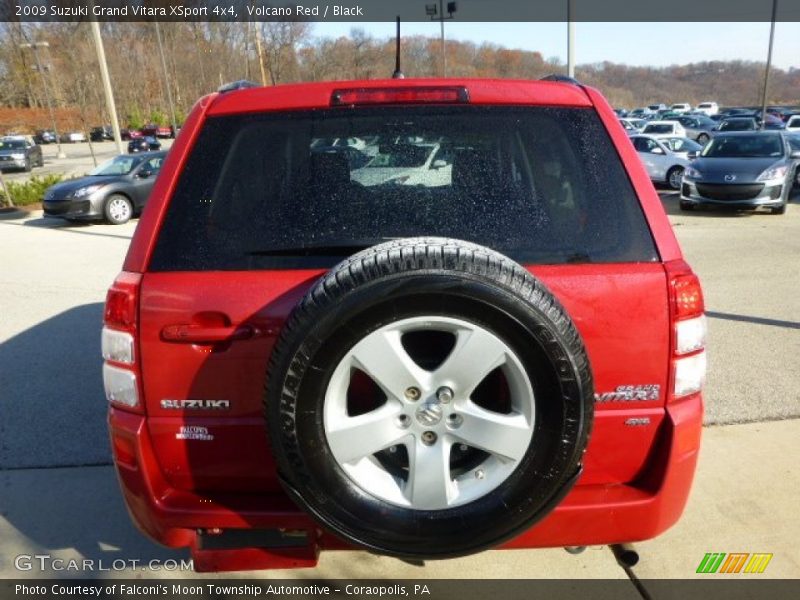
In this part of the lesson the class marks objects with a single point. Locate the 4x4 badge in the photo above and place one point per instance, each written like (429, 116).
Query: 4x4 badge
(196, 404)
(630, 393)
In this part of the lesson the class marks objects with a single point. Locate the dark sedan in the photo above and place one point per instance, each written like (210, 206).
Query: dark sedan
(114, 191)
(44, 136)
(144, 144)
(743, 170)
(101, 134)
(19, 153)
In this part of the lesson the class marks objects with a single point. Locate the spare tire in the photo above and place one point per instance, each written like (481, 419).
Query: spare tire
(428, 398)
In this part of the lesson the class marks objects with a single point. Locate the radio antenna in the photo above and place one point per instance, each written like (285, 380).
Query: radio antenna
(398, 74)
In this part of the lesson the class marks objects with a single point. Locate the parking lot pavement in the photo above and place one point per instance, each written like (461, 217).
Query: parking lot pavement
(749, 265)
(78, 161)
(744, 499)
(53, 279)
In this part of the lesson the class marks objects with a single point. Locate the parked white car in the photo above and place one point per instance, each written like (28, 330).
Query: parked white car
(72, 137)
(793, 124)
(664, 129)
(662, 164)
(682, 146)
(632, 126)
(681, 107)
(709, 108)
(408, 164)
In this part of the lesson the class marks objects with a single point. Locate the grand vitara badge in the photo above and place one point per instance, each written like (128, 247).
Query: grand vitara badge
(630, 393)
(196, 404)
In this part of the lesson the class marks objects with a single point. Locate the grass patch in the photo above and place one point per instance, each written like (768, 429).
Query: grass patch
(31, 191)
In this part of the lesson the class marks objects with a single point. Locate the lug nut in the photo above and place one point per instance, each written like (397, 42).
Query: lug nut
(413, 393)
(444, 394)
(454, 420)
(428, 438)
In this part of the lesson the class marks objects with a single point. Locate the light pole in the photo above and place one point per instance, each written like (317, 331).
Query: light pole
(166, 79)
(109, 93)
(570, 41)
(769, 63)
(35, 47)
(432, 11)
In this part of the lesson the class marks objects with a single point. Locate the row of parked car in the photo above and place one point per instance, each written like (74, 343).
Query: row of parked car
(104, 133)
(699, 125)
(747, 169)
(24, 152)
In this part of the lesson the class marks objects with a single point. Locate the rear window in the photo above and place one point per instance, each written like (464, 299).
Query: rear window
(659, 128)
(304, 189)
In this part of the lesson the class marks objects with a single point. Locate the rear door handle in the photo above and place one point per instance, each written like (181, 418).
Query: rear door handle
(189, 334)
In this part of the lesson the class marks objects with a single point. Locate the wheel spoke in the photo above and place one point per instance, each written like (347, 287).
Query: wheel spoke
(429, 485)
(475, 354)
(353, 438)
(506, 436)
(381, 356)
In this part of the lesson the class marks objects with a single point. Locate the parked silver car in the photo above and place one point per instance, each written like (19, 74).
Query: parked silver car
(114, 191)
(743, 169)
(697, 127)
(662, 163)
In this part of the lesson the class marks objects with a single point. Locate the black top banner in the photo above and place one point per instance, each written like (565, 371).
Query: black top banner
(407, 10)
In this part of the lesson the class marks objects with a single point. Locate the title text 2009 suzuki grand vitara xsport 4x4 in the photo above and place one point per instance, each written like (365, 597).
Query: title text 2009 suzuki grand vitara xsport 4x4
(324, 337)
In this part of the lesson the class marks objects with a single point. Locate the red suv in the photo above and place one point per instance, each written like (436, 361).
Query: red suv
(420, 317)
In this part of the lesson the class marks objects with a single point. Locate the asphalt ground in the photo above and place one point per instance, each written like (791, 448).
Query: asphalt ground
(53, 440)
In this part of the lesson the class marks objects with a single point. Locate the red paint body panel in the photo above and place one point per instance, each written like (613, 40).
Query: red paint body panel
(620, 310)
(636, 477)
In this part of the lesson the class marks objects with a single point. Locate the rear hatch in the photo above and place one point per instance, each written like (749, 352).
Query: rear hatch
(266, 203)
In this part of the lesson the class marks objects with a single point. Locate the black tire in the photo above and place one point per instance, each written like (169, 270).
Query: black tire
(686, 206)
(426, 277)
(674, 176)
(796, 178)
(28, 166)
(114, 216)
(703, 138)
(779, 210)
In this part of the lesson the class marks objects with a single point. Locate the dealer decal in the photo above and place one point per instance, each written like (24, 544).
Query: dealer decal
(194, 432)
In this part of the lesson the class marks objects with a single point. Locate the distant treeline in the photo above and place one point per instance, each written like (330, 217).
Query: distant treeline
(202, 56)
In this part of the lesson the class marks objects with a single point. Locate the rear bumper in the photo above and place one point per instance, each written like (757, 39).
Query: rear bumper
(589, 515)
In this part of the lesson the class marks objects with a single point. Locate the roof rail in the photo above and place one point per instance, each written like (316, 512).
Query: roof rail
(561, 78)
(242, 84)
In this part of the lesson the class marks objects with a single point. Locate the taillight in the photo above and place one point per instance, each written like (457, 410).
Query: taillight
(409, 95)
(121, 369)
(689, 330)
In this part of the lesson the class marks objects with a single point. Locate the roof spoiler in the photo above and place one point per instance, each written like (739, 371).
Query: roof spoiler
(242, 84)
(560, 78)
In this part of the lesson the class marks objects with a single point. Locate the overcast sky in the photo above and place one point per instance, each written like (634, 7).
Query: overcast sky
(655, 44)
